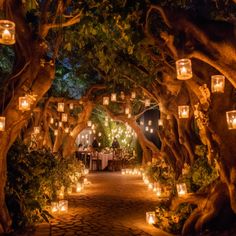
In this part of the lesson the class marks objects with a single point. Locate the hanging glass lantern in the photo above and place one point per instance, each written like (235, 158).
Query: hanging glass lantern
(151, 130)
(183, 112)
(158, 191)
(184, 69)
(127, 110)
(106, 123)
(55, 132)
(71, 106)
(67, 130)
(149, 122)
(105, 101)
(99, 134)
(217, 83)
(141, 123)
(60, 106)
(129, 115)
(133, 95)
(7, 32)
(24, 104)
(160, 122)
(59, 124)
(151, 217)
(181, 189)
(51, 120)
(113, 97)
(147, 128)
(2, 123)
(147, 102)
(122, 95)
(64, 117)
(89, 123)
(231, 119)
(36, 130)
(79, 187)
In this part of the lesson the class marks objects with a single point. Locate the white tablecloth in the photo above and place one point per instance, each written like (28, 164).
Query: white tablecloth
(104, 157)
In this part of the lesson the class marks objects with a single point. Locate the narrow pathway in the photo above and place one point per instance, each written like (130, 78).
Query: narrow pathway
(113, 205)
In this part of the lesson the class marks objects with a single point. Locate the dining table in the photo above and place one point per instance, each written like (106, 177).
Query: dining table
(104, 157)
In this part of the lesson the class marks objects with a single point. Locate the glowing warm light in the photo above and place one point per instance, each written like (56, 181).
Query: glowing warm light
(60, 124)
(24, 104)
(149, 122)
(2, 123)
(79, 187)
(61, 193)
(146, 128)
(184, 69)
(123, 172)
(71, 106)
(151, 130)
(55, 132)
(69, 190)
(181, 189)
(158, 191)
(60, 107)
(147, 102)
(86, 171)
(37, 130)
(63, 206)
(146, 181)
(89, 123)
(106, 123)
(67, 130)
(231, 119)
(141, 123)
(183, 112)
(151, 217)
(217, 83)
(127, 110)
(133, 95)
(113, 97)
(51, 120)
(64, 117)
(105, 101)
(7, 32)
(122, 95)
(54, 207)
(160, 122)
(150, 186)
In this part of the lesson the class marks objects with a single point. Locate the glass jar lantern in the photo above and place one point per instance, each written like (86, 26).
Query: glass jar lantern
(36, 130)
(63, 206)
(71, 106)
(151, 217)
(60, 107)
(2, 123)
(113, 97)
(7, 32)
(183, 112)
(64, 117)
(181, 189)
(89, 123)
(217, 83)
(54, 207)
(184, 69)
(55, 132)
(105, 101)
(127, 110)
(24, 104)
(147, 102)
(160, 122)
(133, 95)
(51, 120)
(231, 119)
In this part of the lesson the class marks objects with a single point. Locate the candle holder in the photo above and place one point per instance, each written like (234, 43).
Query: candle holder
(217, 83)
(2, 123)
(64, 117)
(231, 119)
(24, 103)
(60, 107)
(123, 171)
(147, 102)
(7, 32)
(71, 106)
(89, 123)
(79, 187)
(133, 95)
(105, 101)
(54, 207)
(63, 206)
(151, 217)
(183, 112)
(181, 189)
(36, 130)
(160, 122)
(184, 69)
(113, 97)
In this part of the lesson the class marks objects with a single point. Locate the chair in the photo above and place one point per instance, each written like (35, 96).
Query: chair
(96, 163)
(116, 162)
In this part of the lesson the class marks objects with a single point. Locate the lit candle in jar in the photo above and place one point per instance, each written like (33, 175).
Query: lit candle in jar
(234, 123)
(6, 35)
(151, 217)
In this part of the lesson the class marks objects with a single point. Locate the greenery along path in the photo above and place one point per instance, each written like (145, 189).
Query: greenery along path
(113, 205)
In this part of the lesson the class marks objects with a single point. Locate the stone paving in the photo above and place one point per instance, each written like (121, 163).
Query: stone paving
(112, 205)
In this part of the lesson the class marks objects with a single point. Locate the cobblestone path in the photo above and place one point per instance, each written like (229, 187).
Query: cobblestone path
(112, 205)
